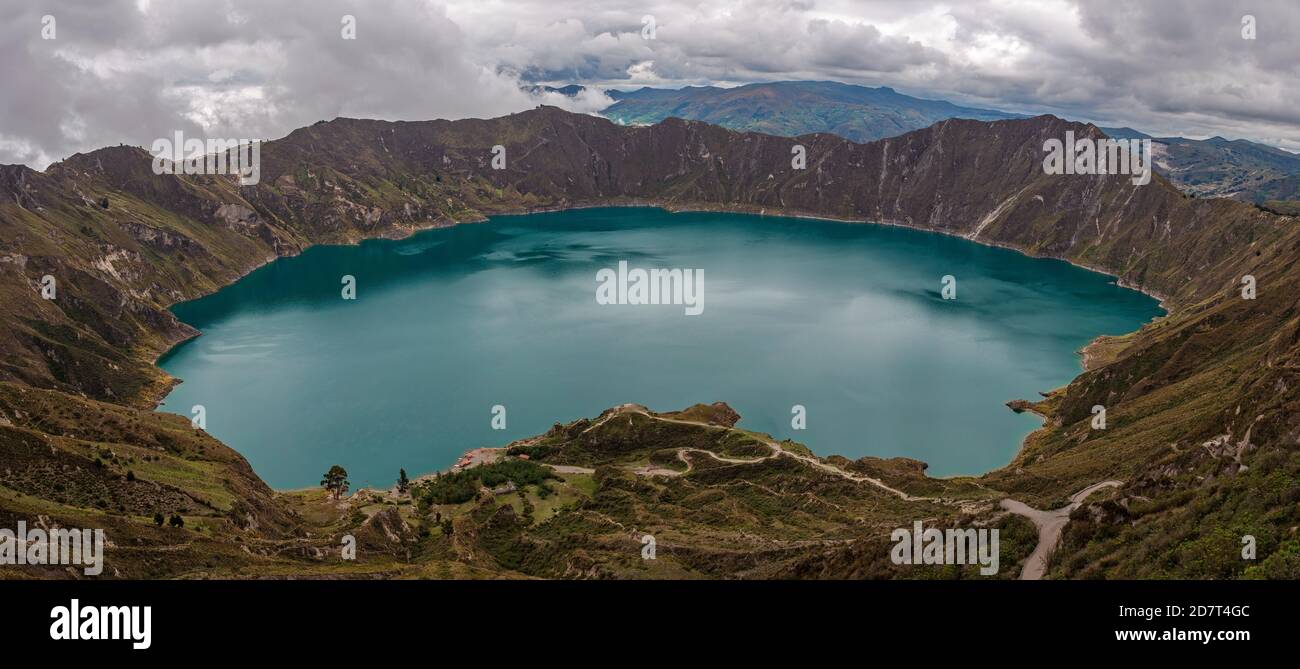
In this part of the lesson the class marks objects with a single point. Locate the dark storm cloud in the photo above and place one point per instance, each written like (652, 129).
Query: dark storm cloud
(131, 72)
(134, 70)
(1165, 66)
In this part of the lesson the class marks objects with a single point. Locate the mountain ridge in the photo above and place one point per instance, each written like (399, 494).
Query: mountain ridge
(162, 239)
(793, 108)
(1214, 167)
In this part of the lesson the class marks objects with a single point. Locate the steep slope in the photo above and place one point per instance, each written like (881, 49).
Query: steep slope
(123, 244)
(717, 500)
(1214, 167)
(165, 238)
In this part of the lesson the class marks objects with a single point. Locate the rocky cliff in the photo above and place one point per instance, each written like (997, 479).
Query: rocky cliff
(1202, 402)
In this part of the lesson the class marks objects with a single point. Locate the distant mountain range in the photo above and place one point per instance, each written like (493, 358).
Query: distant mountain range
(792, 108)
(1215, 167)
(1203, 404)
(1218, 167)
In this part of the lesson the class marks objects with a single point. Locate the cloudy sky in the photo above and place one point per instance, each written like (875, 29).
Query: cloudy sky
(130, 71)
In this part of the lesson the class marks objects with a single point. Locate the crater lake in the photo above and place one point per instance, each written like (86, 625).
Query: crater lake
(844, 319)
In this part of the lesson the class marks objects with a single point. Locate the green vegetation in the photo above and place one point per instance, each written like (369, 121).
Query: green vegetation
(794, 108)
(1282, 207)
(335, 481)
(461, 486)
(1203, 406)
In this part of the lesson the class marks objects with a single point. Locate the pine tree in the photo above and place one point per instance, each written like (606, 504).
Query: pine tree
(335, 481)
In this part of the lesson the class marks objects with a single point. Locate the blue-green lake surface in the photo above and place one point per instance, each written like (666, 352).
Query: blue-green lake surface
(844, 319)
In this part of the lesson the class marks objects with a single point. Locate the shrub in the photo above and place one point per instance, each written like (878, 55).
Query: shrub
(462, 486)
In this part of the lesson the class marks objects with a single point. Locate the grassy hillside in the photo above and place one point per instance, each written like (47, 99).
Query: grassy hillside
(1214, 167)
(1201, 404)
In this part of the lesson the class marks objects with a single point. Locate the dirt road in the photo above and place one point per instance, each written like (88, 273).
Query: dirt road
(1049, 524)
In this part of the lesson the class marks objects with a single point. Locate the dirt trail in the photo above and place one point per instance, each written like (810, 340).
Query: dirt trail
(777, 451)
(571, 469)
(1049, 524)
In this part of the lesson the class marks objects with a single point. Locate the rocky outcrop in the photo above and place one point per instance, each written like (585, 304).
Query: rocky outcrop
(166, 238)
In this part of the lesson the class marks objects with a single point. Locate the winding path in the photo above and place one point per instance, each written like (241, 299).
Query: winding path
(777, 451)
(1049, 524)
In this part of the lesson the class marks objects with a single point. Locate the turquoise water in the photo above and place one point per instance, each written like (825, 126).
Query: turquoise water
(844, 319)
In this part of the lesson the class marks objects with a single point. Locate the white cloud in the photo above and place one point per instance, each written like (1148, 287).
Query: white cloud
(132, 70)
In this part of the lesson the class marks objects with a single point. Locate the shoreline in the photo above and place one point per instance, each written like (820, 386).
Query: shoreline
(407, 232)
(481, 455)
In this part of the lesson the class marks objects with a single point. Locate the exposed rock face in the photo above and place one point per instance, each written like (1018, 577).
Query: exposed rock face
(386, 531)
(982, 180)
(161, 240)
(237, 216)
(166, 238)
